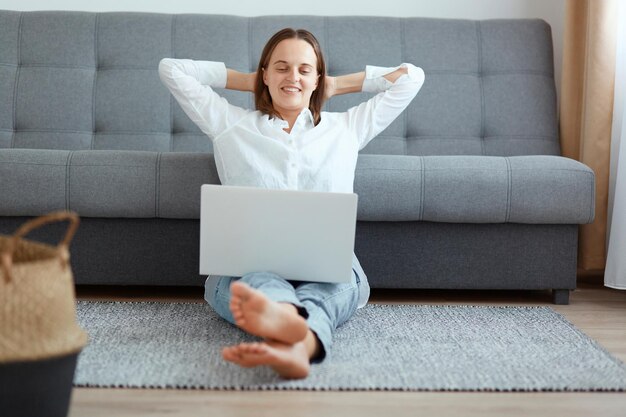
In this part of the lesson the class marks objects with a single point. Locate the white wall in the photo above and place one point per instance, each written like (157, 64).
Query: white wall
(551, 11)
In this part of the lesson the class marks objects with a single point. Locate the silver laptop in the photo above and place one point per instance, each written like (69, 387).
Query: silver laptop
(299, 235)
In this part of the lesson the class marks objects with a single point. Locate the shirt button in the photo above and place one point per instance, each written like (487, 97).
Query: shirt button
(293, 165)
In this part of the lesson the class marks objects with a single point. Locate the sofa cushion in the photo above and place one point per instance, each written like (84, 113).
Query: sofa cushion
(461, 189)
(475, 189)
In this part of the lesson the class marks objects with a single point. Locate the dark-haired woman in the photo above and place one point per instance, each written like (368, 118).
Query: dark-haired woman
(288, 143)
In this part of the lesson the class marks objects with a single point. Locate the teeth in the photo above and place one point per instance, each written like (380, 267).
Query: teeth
(293, 90)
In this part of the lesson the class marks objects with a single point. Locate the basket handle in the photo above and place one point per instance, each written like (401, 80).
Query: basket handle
(62, 247)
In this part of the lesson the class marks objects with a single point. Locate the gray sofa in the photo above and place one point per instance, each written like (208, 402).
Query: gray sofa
(465, 190)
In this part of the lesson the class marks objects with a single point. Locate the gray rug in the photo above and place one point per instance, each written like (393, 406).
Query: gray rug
(383, 347)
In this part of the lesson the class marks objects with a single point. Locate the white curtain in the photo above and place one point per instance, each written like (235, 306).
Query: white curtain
(615, 271)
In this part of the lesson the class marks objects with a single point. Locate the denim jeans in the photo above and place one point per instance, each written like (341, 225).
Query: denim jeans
(325, 306)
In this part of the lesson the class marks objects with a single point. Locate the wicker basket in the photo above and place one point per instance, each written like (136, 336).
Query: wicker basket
(40, 338)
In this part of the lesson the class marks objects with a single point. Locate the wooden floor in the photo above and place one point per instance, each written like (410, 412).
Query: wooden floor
(598, 311)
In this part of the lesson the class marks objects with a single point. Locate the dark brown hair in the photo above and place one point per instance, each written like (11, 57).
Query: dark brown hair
(262, 97)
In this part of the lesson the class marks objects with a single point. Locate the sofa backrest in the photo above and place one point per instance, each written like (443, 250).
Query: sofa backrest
(77, 80)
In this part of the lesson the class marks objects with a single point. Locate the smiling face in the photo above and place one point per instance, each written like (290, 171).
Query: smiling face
(291, 76)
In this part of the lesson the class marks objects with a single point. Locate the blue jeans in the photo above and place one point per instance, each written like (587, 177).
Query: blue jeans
(325, 306)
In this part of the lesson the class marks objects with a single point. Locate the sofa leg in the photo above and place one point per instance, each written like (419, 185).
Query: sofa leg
(560, 297)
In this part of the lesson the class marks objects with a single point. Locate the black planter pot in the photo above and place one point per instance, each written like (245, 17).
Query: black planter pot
(40, 388)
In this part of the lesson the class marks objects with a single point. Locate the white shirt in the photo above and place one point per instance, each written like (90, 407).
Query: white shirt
(252, 149)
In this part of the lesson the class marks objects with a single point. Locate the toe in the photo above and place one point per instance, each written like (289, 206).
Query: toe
(259, 348)
(229, 354)
(250, 348)
(238, 289)
(234, 304)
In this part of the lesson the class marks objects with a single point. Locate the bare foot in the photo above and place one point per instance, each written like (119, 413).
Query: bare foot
(260, 316)
(289, 361)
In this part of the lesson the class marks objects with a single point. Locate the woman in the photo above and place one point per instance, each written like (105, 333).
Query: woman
(288, 143)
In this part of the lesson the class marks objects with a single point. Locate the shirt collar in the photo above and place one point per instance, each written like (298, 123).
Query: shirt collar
(305, 118)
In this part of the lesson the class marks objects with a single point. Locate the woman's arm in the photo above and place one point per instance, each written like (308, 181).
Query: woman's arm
(395, 91)
(344, 84)
(191, 83)
(352, 83)
(240, 81)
